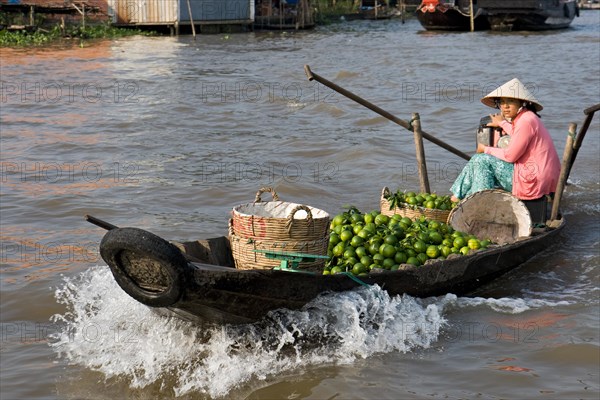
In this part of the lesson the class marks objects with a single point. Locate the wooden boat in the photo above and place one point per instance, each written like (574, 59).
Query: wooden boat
(529, 15)
(497, 15)
(284, 15)
(451, 16)
(376, 9)
(196, 280)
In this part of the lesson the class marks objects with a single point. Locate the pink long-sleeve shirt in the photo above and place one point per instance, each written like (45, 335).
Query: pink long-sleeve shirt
(532, 151)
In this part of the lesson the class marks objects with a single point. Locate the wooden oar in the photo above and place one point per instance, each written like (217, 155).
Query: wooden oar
(312, 76)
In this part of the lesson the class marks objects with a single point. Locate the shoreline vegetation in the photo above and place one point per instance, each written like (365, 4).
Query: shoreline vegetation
(69, 33)
(43, 32)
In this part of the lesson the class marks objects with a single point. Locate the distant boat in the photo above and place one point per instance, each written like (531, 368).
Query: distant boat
(376, 9)
(497, 15)
(284, 15)
(450, 16)
(529, 15)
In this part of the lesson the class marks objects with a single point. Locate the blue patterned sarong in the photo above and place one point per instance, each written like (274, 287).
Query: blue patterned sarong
(483, 172)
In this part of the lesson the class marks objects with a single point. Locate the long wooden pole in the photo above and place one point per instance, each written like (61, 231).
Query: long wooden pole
(564, 171)
(189, 6)
(589, 113)
(312, 76)
(472, 16)
(420, 150)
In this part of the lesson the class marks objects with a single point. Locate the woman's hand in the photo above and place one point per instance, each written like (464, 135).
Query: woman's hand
(480, 148)
(496, 119)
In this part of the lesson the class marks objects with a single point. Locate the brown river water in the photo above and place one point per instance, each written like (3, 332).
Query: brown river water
(168, 134)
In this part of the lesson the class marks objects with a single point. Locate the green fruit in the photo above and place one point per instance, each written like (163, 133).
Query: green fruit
(420, 246)
(338, 249)
(357, 228)
(391, 239)
(459, 242)
(349, 252)
(356, 217)
(435, 237)
(382, 219)
(432, 251)
(366, 260)
(374, 247)
(413, 261)
(359, 268)
(364, 233)
(361, 251)
(400, 257)
(357, 241)
(422, 257)
(338, 220)
(346, 235)
(334, 238)
(370, 227)
(474, 244)
(445, 251)
(387, 250)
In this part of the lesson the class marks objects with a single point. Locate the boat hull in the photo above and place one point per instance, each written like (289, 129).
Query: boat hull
(206, 293)
(499, 15)
(529, 15)
(450, 20)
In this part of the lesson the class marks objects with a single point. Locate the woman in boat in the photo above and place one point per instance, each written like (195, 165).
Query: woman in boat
(529, 165)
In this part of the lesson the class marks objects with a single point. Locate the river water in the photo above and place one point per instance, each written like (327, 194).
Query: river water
(169, 133)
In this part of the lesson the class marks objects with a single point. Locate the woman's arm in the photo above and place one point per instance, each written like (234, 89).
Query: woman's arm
(523, 131)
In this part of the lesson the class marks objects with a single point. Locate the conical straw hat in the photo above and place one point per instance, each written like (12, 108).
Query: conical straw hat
(512, 89)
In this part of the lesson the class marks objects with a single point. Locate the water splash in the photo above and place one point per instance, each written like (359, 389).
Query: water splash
(107, 331)
(509, 305)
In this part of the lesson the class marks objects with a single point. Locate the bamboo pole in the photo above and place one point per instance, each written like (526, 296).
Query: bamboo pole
(189, 6)
(402, 10)
(589, 112)
(564, 171)
(312, 76)
(420, 151)
(472, 16)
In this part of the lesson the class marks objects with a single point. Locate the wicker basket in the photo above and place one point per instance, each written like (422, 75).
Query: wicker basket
(412, 212)
(245, 257)
(277, 226)
(279, 220)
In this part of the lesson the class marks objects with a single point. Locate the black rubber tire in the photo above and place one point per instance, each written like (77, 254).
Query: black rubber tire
(118, 245)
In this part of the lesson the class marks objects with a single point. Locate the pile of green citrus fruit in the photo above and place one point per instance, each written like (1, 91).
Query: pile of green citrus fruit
(425, 200)
(359, 243)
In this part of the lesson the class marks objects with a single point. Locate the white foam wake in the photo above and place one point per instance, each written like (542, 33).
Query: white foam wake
(107, 331)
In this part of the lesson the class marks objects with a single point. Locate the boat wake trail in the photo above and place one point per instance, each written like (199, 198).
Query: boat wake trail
(107, 331)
